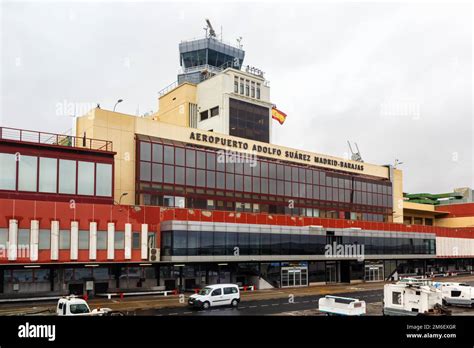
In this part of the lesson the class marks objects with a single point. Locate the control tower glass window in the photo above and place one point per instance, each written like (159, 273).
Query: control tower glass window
(249, 121)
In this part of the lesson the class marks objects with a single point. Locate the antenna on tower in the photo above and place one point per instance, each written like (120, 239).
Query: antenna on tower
(355, 156)
(209, 27)
(239, 40)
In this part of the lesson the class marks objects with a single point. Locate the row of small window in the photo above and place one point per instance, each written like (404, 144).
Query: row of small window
(211, 204)
(247, 87)
(23, 239)
(193, 243)
(204, 115)
(169, 174)
(50, 175)
(191, 158)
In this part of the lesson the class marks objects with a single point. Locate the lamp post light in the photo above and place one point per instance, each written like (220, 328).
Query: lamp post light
(118, 101)
(120, 199)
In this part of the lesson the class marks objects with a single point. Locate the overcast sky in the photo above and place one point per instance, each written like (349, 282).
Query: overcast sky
(394, 77)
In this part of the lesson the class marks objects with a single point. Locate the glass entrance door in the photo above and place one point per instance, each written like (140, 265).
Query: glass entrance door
(374, 273)
(294, 276)
(332, 272)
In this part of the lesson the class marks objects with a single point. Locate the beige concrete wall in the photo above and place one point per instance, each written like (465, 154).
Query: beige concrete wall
(173, 107)
(456, 222)
(120, 129)
(397, 196)
(418, 207)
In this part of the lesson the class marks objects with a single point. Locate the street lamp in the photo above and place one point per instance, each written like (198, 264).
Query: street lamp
(120, 199)
(118, 101)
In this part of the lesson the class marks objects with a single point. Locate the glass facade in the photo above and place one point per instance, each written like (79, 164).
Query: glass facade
(169, 172)
(52, 175)
(248, 120)
(202, 243)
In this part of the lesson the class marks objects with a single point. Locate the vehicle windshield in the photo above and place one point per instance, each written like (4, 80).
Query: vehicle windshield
(79, 308)
(205, 291)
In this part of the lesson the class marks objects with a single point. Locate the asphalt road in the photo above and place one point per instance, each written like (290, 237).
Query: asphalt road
(262, 307)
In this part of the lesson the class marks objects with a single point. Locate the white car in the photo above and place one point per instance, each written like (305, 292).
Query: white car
(216, 295)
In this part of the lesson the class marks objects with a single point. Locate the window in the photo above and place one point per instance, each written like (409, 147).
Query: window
(216, 292)
(83, 237)
(23, 237)
(104, 180)
(48, 174)
(250, 121)
(247, 88)
(145, 171)
(145, 151)
(119, 241)
(236, 85)
(8, 172)
(27, 173)
(228, 291)
(3, 236)
(241, 86)
(396, 298)
(44, 240)
(252, 90)
(157, 153)
(135, 240)
(64, 239)
(190, 158)
(67, 176)
(169, 174)
(214, 111)
(204, 115)
(101, 240)
(258, 90)
(85, 182)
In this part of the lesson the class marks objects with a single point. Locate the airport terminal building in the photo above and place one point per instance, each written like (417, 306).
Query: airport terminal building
(197, 193)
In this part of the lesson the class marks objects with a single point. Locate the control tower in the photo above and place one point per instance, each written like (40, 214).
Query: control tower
(202, 58)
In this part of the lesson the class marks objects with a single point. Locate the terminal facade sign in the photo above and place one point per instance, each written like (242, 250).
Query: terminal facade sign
(274, 151)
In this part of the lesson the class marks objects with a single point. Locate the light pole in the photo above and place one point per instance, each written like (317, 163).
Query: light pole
(118, 101)
(120, 199)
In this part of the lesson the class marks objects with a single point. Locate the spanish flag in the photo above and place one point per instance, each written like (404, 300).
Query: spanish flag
(278, 115)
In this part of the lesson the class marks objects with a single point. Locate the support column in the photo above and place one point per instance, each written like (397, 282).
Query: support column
(34, 240)
(12, 239)
(74, 240)
(128, 241)
(110, 241)
(93, 240)
(144, 241)
(54, 240)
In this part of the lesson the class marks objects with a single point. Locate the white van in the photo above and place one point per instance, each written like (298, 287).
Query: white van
(216, 295)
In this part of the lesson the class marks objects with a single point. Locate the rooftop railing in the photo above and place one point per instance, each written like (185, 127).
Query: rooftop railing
(64, 140)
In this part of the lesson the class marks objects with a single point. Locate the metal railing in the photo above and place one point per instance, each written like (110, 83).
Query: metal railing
(168, 88)
(53, 139)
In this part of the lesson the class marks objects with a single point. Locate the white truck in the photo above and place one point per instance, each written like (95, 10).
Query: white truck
(335, 305)
(456, 294)
(413, 297)
(75, 306)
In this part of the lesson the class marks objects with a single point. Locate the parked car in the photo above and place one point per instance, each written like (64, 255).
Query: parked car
(216, 295)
